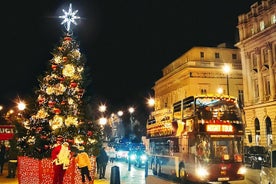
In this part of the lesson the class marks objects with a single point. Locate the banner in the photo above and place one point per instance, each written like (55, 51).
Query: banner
(6, 132)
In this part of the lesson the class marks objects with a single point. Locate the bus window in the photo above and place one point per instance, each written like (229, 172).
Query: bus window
(203, 150)
(221, 148)
(273, 154)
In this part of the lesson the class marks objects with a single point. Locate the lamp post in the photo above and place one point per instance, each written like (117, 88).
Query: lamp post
(226, 69)
(131, 111)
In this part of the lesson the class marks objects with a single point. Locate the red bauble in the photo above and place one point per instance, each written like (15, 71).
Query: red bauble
(89, 133)
(61, 79)
(51, 103)
(71, 141)
(67, 38)
(64, 59)
(63, 102)
(73, 84)
(43, 137)
(46, 147)
(57, 111)
(41, 101)
(54, 67)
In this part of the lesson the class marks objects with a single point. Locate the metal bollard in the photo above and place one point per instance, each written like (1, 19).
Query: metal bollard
(129, 165)
(115, 175)
(146, 168)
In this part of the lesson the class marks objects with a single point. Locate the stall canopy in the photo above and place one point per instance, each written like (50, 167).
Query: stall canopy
(6, 132)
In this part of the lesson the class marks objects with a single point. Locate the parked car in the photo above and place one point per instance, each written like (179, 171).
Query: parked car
(138, 158)
(268, 169)
(255, 156)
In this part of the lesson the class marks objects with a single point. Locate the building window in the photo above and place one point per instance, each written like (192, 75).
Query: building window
(241, 99)
(257, 131)
(201, 54)
(254, 60)
(265, 56)
(203, 91)
(262, 25)
(268, 130)
(217, 55)
(273, 19)
(166, 102)
(234, 56)
(267, 88)
(256, 89)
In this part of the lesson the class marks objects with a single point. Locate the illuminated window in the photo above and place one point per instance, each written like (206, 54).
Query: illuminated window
(203, 91)
(262, 25)
(252, 30)
(273, 19)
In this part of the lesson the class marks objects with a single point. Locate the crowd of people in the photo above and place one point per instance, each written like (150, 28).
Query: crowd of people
(61, 159)
(61, 156)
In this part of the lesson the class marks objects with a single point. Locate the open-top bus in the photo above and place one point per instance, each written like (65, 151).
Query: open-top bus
(201, 142)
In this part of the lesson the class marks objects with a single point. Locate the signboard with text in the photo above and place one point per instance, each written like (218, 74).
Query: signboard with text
(6, 132)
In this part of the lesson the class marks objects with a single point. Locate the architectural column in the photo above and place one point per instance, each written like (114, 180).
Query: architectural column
(259, 75)
(246, 80)
(248, 85)
(271, 73)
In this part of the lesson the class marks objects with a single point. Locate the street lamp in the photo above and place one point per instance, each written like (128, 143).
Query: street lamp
(151, 102)
(21, 106)
(226, 69)
(120, 113)
(131, 110)
(103, 121)
(220, 91)
(102, 108)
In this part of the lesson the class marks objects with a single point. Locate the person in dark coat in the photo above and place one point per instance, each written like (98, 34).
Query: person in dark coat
(102, 160)
(2, 157)
(12, 162)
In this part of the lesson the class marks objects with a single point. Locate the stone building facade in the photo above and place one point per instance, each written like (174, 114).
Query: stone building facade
(257, 43)
(198, 71)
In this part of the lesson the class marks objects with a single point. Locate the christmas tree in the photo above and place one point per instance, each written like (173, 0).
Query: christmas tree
(61, 104)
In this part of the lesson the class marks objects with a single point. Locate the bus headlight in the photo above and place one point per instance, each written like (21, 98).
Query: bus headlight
(202, 172)
(242, 170)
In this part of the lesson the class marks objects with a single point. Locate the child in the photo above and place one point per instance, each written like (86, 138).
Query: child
(84, 164)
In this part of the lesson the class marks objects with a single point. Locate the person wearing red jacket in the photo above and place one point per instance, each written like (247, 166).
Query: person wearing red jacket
(61, 158)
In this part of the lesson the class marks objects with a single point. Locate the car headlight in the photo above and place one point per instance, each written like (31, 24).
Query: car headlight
(132, 157)
(144, 157)
(260, 158)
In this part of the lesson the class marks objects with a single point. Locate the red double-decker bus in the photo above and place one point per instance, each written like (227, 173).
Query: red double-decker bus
(202, 141)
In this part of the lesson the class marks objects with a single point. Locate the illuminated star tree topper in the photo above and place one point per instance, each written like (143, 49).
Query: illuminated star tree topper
(69, 17)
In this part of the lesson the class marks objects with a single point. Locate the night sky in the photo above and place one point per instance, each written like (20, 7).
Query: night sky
(127, 43)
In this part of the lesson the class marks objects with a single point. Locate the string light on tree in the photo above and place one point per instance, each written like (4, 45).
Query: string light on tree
(61, 105)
